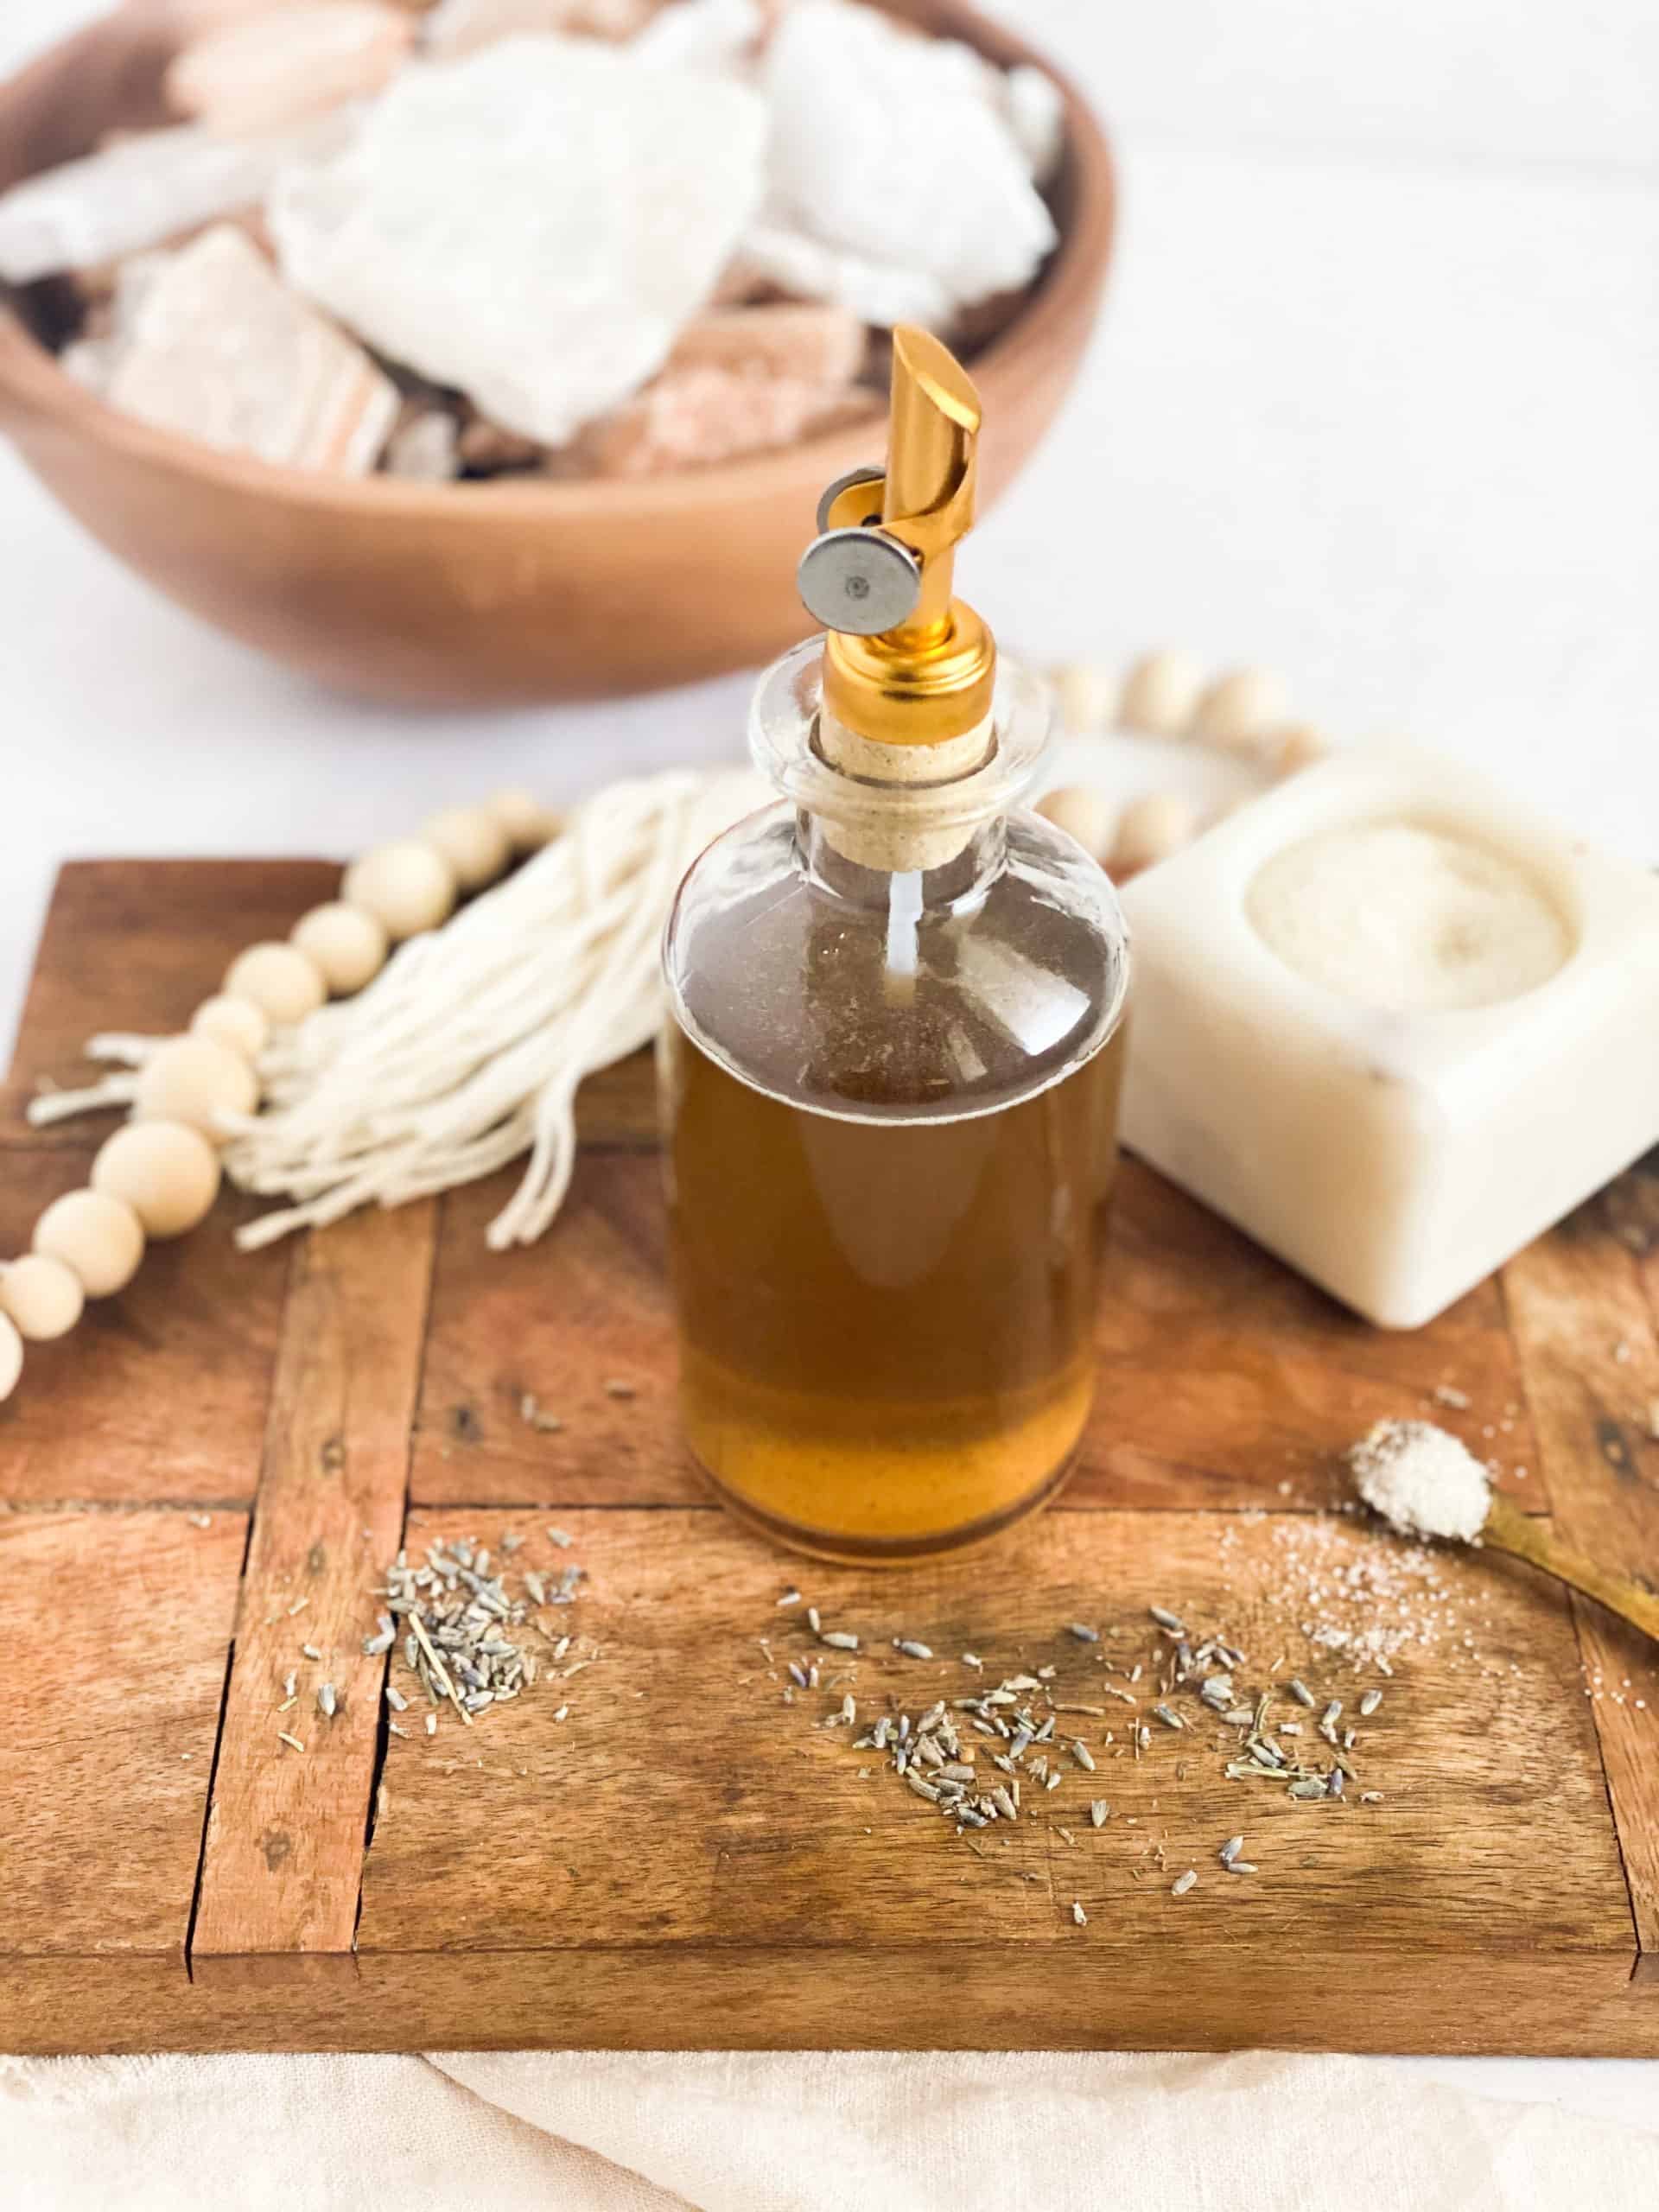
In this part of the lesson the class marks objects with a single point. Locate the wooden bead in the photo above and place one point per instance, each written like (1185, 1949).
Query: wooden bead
(1151, 829)
(99, 1238)
(473, 841)
(40, 1296)
(1082, 813)
(1298, 748)
(409, 887)
(528, 823)
(283, 982)
(1087, 695)
(348, 943)
(194, 1079)
(1159, 694)
(236, 1023)
(167, 1171)
(1242, 711)
(11, 1357)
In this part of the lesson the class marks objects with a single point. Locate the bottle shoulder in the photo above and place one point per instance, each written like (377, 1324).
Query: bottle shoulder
(862, 1007)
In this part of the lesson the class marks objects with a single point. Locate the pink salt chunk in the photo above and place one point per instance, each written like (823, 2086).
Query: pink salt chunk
(689, 415)
(810, 344)
(276, 68)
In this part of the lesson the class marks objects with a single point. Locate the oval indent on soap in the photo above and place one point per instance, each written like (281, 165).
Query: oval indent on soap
(1409, 916)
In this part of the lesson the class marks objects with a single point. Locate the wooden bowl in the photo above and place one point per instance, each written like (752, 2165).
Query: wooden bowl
(505, 591)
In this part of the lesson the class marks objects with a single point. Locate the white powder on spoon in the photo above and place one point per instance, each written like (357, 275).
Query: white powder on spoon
(1422, 1480)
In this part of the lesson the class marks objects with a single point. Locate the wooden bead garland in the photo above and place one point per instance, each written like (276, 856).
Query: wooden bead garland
(1243, 712)
(167, 1171)
(41, 1297)
(158, 1177)
(194, 1079)
(101, 1238)
(1161, 694)
(1087, 696)
(281, 981)
(528, 823)
(1151, 829)
(348, 943)
(1083, 813)
(472, 840)
(408, 887)
(236, 1022)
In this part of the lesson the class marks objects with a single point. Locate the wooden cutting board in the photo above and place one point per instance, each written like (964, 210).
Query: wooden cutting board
(211, 1470)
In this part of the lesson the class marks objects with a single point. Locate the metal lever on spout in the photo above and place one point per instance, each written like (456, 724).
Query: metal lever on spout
(883, 561)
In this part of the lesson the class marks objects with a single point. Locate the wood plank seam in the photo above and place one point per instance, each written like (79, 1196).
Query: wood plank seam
(1496, 1889)
(1588, 1327)
(281, 1865)
(1579, 1608)
(383, 1730)
(212, 1770)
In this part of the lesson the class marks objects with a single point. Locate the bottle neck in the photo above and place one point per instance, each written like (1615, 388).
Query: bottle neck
(962, 879)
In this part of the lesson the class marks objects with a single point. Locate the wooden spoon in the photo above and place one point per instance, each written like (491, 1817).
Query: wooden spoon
(1508, 1529)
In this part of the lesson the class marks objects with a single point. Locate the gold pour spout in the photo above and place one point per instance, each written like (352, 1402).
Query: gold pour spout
(887, 555)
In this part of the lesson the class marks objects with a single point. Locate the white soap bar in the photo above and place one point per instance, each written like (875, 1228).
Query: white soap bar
(1393, 1025)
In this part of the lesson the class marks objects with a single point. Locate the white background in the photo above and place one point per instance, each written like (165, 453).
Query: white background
(1375, 400)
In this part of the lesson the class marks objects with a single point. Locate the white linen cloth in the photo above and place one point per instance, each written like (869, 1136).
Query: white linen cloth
(584, 2132)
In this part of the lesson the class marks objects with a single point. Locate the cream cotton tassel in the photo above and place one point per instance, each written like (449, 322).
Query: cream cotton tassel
(469, 1048)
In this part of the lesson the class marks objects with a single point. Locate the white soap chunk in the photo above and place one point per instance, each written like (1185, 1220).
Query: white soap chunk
(454, 28)
(717, 35)
(892, 149)
(146, 190)
(1392, 1025)
(1036, 116)
(532, 223)
(879, 292)
(1398, 914)
(212, 344)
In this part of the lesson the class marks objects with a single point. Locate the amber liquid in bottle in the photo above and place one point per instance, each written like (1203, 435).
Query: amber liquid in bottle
(887, 1191)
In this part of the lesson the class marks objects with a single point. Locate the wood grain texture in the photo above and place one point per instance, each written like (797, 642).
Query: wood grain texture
(129, 946)
(1585, 1322)
(285, 1834)
(159, 1393)
(909, 1995)
(1225, 1379)
(687, 1860)
(556, 1321)
(119, 1626)
(691, 1798)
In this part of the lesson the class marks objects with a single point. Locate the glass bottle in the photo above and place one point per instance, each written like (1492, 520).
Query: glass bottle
(890, 1074)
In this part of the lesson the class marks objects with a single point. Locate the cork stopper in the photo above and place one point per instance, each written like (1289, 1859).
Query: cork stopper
(900, 809)
(929, 817)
